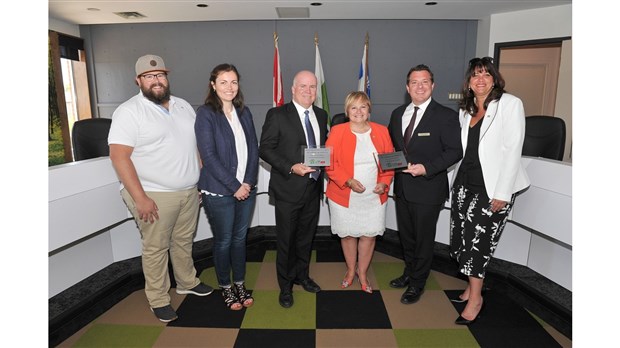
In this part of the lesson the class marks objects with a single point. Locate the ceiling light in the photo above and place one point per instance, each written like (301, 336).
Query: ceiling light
(202, 5)
(316, 4)
(430, 3)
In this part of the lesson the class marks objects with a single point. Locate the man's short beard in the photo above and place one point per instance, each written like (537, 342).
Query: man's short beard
(155, 98)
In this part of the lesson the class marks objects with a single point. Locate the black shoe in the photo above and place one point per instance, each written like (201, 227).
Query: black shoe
(286, 299)
(400, 282)
(165, 314)
(411, 295)
(462, 321)
(309, 285)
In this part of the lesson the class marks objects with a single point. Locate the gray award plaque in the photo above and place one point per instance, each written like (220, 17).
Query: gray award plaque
(319, 156)
(392, 160)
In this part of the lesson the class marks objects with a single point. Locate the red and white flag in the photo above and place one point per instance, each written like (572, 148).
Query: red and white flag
(278, 93)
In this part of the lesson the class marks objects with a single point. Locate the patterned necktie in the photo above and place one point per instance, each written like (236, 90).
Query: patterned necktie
(409, 130)
(311, 141)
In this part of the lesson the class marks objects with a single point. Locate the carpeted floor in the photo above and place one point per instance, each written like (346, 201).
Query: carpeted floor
(331, 318)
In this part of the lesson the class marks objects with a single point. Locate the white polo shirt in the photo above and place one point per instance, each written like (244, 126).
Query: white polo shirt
(164, 143)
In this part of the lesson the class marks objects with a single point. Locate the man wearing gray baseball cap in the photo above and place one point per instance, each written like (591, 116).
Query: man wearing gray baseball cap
(153, 150)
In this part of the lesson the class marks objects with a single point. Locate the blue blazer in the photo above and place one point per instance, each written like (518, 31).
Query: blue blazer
(216, 144)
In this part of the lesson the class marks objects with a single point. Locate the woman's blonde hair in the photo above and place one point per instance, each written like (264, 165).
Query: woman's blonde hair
(355, 96)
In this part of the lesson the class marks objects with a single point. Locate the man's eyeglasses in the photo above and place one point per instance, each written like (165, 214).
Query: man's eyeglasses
(151, 77)
(484, 60)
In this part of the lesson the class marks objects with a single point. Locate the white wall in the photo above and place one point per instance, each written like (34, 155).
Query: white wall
(63, 27)
(544, 23)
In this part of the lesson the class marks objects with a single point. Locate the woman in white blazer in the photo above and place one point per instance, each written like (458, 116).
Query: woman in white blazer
(487, 178)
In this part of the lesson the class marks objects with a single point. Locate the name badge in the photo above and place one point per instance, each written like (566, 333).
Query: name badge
(424, 134)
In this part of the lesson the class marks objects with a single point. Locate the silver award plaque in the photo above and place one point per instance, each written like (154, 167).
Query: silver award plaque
(319, 156)
(392, 160)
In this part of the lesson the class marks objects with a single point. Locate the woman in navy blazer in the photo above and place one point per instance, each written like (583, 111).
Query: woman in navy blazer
(229, 152)
(487, 178)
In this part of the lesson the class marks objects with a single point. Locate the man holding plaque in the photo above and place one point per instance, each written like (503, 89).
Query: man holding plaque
(295, 188)
(428, 134)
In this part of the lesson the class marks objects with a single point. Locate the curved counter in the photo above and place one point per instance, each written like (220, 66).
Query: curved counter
(90, 227)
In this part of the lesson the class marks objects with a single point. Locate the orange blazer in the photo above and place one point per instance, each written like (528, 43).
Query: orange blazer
(343, 143)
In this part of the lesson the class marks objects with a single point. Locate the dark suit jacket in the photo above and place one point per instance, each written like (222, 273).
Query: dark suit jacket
(216, 144)
(281, 144)
(436, 143)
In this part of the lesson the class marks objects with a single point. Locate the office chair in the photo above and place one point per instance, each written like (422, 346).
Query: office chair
(545, 137)
(90, 138)
(339, 118)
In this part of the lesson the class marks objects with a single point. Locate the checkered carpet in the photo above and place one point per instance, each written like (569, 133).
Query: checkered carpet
(333, 317)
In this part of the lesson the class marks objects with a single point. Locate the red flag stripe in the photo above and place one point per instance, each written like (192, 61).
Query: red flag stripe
(278, 93)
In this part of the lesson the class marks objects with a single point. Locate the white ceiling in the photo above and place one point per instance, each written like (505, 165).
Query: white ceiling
(103, 12)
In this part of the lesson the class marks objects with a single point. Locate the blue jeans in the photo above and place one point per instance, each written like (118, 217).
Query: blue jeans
(229, 219)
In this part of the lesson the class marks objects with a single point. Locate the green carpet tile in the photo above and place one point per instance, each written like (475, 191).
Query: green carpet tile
(334, 317)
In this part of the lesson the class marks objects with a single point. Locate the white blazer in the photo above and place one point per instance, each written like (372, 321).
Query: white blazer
(501, 143)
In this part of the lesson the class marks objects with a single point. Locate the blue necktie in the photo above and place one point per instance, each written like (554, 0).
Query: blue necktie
(311, 141)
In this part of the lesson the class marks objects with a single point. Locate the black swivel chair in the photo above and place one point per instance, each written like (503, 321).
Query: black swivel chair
(90, 138)
(545, 137)
(339, 118)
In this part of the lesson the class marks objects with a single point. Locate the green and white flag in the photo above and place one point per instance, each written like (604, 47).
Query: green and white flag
(321, 93)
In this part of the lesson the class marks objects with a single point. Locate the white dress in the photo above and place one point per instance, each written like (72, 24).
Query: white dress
(365, 215)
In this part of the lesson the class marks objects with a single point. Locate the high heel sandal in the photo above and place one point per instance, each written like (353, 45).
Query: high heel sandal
(365, 287)
(345, 282)
(462, 321)
(244, 296)
(230, 299)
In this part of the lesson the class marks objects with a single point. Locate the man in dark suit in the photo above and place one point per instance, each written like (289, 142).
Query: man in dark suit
(294, 187)
(429, 135)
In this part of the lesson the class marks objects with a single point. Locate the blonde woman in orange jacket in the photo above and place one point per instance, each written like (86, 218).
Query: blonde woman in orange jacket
(357, 190)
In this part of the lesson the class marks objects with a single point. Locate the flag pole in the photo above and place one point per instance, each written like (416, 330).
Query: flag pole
(278, 95)
(366, 44)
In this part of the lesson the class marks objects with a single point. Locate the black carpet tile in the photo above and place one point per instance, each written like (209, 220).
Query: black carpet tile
(207, 311)
(351, 310)
(259, 338)
(503, 323)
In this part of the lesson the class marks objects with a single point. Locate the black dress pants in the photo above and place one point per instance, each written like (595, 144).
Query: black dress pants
(295, 229)
(417, 226)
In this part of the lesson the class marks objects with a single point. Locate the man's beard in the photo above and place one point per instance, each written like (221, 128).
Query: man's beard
(157, 99)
